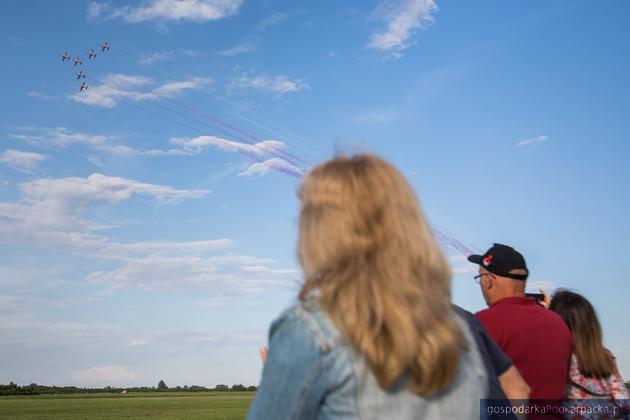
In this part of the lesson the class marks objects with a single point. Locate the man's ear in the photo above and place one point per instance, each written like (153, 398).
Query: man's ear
(489, 282)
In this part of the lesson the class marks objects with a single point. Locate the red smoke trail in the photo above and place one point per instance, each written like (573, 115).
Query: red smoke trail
(289, 157)
(446, 240)
(250, 155)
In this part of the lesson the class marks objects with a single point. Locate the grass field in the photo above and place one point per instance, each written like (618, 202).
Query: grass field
(153, 405)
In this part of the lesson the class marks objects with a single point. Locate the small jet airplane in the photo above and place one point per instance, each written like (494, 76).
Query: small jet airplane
(65, 56)
(91, 54)
(104, 46)
(83, 87)
(76, 61)
(80, 75)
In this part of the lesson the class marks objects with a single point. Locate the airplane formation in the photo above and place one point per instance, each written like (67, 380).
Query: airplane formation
(78, 62)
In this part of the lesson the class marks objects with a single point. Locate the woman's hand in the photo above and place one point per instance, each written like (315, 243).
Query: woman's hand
(546, 302)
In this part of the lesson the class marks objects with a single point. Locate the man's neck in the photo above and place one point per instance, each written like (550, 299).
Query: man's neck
(507, 294)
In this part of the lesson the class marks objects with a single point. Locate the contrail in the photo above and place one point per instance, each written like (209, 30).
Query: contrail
(287, 156)
(250, 155)
(446, 240)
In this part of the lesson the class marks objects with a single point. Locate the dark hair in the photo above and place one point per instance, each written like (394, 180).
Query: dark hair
(579, 315)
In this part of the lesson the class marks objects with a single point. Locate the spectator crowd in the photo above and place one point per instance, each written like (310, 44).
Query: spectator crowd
(374, 335)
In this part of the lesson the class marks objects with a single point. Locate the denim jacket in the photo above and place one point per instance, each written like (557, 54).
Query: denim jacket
(312, 372)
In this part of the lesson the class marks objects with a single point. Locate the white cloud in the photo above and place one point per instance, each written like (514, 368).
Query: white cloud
(535, 286)
(96, 10)
(171, 10)
(188, 340)
(187, 146)
(57, 233)
(460, 266)
(109, 93)
(170, 88)
(168, 152)
(50, 215)
(197, 144)
(114, 248)
(279, 84)
(61, 136)
(239, 49)
(278, 164)
(234, 274)
(116, 87)
(182, 341)
(271, 21)
(115, 374)
(402, 19)
(190, 146)
(98, 187)
(536, 141)
(21, 161)
(148, 60)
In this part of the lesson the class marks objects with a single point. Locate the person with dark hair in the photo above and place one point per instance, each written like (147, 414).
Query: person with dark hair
(593, 373)
(537, 340)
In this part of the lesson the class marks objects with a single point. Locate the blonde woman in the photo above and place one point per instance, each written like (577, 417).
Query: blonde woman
(373, 335)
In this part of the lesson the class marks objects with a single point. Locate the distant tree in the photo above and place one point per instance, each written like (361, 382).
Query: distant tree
(162, 385)
(251, 388)
(221, 387)
(238, 387)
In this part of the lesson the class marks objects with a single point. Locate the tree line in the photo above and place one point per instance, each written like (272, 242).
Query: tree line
(35, 389)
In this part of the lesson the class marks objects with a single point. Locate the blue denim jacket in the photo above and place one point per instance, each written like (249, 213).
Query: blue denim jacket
(312, 372)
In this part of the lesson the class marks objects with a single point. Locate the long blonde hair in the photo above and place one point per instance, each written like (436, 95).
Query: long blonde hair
(367, 250)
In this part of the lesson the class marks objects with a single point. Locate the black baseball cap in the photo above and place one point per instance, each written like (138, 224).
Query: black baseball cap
(500, 260)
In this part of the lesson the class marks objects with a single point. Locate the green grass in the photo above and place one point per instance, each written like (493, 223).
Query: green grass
(149, 405)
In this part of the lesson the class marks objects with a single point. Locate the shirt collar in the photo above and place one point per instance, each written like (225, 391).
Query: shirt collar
(515, 300)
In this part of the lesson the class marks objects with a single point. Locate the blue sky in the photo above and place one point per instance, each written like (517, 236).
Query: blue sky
(148, 224)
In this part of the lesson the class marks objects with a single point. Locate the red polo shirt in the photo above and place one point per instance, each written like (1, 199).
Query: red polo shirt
(536, 339)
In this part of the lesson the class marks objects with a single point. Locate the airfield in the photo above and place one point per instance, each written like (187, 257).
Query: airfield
(155, 405)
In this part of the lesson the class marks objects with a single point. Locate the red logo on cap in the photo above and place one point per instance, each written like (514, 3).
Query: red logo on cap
(488, 260)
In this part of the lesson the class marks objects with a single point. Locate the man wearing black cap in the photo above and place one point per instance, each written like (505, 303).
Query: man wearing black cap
(536, 339)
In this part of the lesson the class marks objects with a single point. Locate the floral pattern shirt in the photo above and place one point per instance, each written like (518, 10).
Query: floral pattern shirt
(611, 391)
